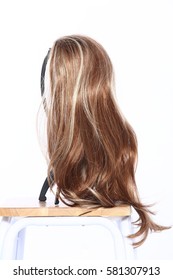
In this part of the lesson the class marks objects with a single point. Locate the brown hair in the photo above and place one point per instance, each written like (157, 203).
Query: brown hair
(92, 148)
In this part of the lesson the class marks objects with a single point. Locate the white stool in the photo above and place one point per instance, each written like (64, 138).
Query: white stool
(18, 215)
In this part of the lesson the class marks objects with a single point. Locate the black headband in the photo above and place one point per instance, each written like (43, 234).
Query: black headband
(45, 187)
(43, 71)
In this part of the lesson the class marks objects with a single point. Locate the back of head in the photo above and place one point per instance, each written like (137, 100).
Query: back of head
(81, 80)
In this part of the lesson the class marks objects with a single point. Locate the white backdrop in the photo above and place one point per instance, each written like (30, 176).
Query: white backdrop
(138, 35)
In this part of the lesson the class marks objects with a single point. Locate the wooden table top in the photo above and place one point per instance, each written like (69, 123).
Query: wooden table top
(31, 207)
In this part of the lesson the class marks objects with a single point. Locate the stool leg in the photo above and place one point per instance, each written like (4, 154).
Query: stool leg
(20, 244)
(126, 228)
(10, 239)
(4, 226)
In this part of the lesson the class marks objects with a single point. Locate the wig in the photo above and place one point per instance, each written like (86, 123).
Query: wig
(92, 149)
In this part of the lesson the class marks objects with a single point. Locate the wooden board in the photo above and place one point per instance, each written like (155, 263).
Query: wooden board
(31, 207)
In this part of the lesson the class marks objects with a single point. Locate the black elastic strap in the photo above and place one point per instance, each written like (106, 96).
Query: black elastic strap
(43, 71)
(45, 187)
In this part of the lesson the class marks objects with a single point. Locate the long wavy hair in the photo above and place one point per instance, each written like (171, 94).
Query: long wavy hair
(92, 149)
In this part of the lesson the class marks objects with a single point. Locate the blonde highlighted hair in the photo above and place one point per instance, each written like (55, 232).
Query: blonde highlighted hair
(92, 149)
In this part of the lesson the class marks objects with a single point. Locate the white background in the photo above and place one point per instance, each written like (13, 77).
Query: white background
(138, 35)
